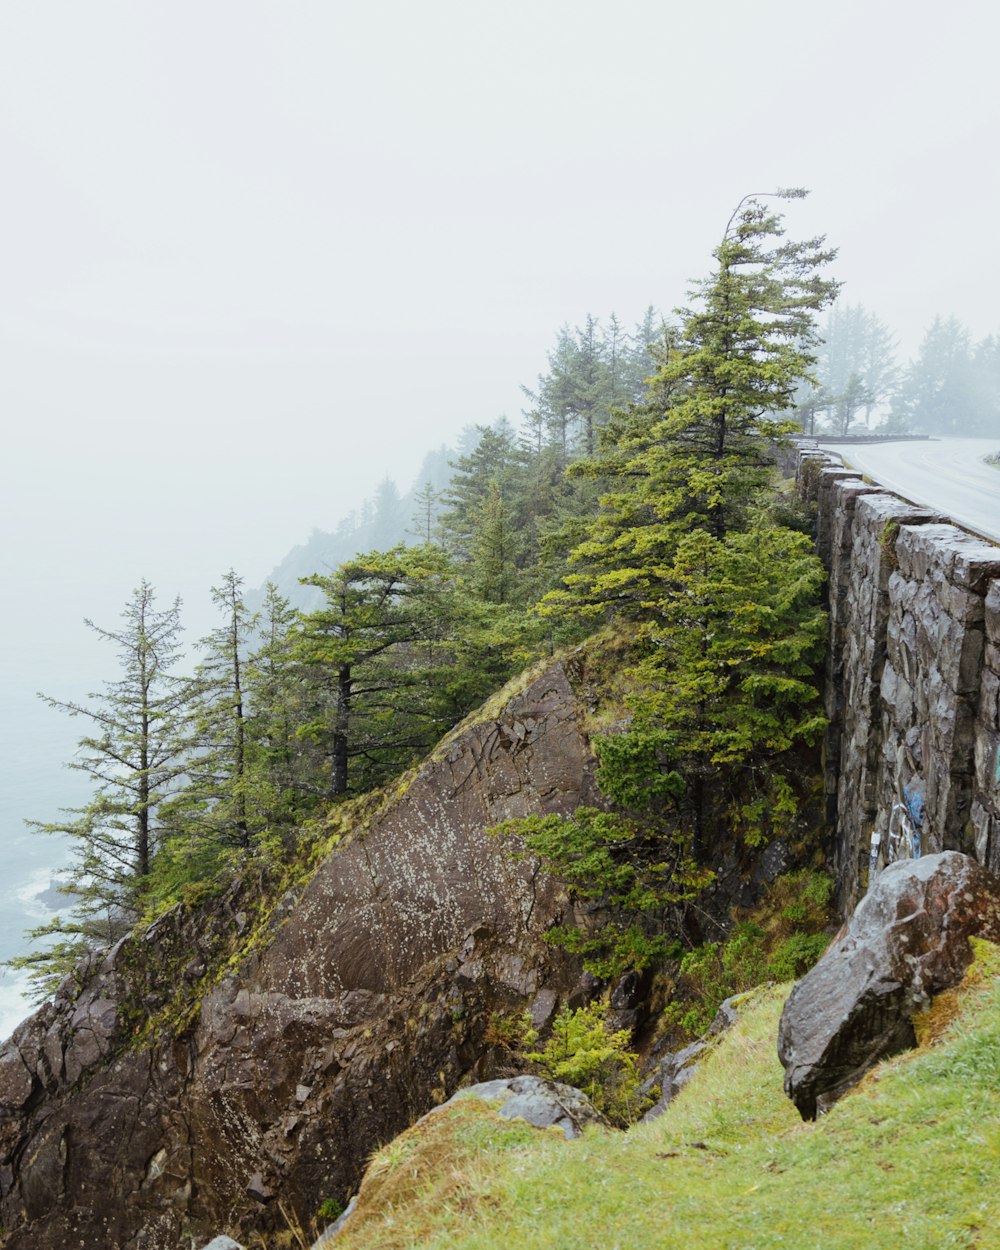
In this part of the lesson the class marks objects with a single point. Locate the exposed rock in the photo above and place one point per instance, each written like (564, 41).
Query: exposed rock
(223, 1243)
(543, 1103)
(907, 940)
(235, 1062)
(365, 1003)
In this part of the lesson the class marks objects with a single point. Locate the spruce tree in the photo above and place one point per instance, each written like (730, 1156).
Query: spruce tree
(369, 661)
(135, 754)
(700, 453)
(223, 803)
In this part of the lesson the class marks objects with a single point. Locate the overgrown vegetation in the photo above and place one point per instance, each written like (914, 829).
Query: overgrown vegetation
(639, 491)
(779, 940)
(584, 1051)
(909, 1158)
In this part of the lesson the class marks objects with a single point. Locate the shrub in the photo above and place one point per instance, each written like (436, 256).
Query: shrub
(583, 1051)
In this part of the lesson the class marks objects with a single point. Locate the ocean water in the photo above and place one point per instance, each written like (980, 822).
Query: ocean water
(35, 743)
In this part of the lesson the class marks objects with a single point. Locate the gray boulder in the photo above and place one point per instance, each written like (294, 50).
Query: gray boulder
(543, 1103)
(907, 941)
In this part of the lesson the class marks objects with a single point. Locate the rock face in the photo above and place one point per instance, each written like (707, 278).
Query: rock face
(908, 940)
(364, 1003)
(913, 677)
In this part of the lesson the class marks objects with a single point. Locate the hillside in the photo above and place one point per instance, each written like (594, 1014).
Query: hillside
(909, 1159)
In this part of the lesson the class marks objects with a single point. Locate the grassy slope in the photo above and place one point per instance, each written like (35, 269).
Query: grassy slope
(911, 1159)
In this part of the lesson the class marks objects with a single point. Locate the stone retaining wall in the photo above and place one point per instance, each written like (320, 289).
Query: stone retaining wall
(913, 680)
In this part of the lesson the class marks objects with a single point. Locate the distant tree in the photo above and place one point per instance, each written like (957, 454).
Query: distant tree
(426, 507)
(388, 519)
(986, 387)
(855, 370)
(849, 402)
(494, 458)
(879, 368)
(937, 394)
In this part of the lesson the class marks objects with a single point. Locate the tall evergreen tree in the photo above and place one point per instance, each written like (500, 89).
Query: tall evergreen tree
(700, 453)
(222, 803)
(368, 659)
(135, 753)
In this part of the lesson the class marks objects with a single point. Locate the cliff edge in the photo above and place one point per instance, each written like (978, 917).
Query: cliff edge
(360, 1001)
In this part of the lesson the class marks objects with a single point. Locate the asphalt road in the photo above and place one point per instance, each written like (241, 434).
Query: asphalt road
(946, 474)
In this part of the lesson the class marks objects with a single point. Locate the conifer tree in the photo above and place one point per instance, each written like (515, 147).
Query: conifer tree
(368, 662)
(275, 699)
(221, 803)
(699, 454)
(135, 752)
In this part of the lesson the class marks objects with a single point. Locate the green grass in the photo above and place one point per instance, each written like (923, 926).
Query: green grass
(909, 1160)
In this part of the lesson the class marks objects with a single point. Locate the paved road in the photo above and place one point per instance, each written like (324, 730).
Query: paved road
(946, 474)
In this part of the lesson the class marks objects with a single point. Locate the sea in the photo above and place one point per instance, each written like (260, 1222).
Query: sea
(35, 744)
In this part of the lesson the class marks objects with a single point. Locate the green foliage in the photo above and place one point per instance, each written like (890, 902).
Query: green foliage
(329, 1210)
(582, 1051)
(288, 713)
(728, 671)
(635, 768)
(628, 872)
(779, 940)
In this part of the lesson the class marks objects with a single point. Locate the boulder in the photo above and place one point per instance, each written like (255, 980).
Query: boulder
(543, 1103)
(907, 941)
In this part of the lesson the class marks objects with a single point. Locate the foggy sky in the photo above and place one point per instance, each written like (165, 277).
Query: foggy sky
(253, 256)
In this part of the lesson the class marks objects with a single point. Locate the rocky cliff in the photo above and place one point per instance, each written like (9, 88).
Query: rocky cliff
(170, 1091)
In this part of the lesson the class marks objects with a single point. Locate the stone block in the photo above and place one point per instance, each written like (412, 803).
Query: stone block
(993, 612)
(970, 663)
(985, 829)
(919, 548)
(963, 606)
(975, 563)
(987, 762)
(989, 700)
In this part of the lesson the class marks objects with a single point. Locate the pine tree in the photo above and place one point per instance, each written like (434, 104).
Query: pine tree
(728, 670)
(222, 804)
(368, 661)
(699, 454)
(135, 755)
(275, 699)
